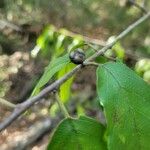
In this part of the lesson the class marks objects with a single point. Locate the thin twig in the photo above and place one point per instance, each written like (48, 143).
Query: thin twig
(4, 23)
(91, 64)
(62, 107)
(21, 108)
(91, 46)
(120, 36)
(96, 50)
(86, 39)
(109, 57)
(7, 103)
(140, 7)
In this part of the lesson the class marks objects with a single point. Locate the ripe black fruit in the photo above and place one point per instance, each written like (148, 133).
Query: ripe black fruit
(77, 56)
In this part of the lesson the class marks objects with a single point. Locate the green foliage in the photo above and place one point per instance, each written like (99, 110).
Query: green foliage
(54, 43)
(46, 37)
(119, 50)
(123, 94)
(65, 88)
(76, 43)
(126, 101)
(116, 50)
(50, 71)
(78, 134)
(142, 67)
(46, 40)
(59, 47)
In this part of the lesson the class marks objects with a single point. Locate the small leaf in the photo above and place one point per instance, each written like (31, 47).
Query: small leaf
(78, 134)
(44, 43)
(142, 66)
(47, 34)
(50, 71)
(119, 50)
(65, 88)
(76, 43)
(59, 49)
(126, 101)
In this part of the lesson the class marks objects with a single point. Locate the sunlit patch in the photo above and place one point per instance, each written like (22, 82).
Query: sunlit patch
(44, 111)
(35, 51)
(32, 116)
(122, 138)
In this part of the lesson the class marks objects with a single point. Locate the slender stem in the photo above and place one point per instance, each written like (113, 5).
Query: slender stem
(96, 50)
(91, 64)
(140, 7)
(4, 23)
(7, 103)
(62, 106)
(90, 45)
(120, 36)
(86, 39)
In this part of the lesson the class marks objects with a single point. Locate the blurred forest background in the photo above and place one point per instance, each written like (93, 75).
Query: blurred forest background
(30, 26)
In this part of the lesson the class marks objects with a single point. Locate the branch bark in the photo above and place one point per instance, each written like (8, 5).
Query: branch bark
(120, 36)
(21, 108)
(140, 7)
(7, 103)
(4, 23)
(31, 135)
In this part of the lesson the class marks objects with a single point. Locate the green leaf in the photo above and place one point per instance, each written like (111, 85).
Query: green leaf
(119, 50)
(59, 49)
(78, 134)
(65, 88)
(142, 66)
(126, 101)
(47, 34)
(76, 43)
(50, 71)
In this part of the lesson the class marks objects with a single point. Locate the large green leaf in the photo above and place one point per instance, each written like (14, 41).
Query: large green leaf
(78, 134)
(126, 100)
(54, 66)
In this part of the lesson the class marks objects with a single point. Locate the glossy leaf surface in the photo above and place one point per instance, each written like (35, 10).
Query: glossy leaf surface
(78, 134)
(126, 100)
